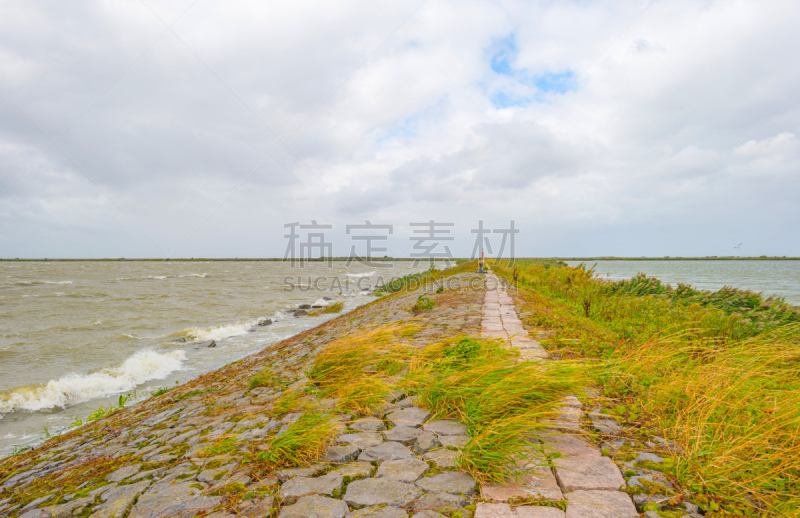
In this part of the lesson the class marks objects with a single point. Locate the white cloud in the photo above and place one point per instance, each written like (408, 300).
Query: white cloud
(674, 115)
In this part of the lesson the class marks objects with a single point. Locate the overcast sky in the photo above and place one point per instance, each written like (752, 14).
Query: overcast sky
(193, 128)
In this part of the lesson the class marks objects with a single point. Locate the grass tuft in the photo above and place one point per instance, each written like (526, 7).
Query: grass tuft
(502, 401)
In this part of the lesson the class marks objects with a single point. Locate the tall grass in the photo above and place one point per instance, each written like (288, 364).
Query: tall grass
(479, 382)
(502, 401)
(354, 369)
(694, 366)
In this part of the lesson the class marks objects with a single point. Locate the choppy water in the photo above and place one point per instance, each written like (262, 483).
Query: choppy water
(76, 335)
(781, 278)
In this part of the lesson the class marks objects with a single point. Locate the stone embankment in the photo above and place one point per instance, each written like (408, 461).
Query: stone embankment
(190, 451)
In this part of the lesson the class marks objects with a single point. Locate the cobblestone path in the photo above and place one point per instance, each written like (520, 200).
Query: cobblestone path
(588, 481)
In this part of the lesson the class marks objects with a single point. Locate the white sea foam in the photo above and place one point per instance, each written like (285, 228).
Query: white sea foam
(162, 277)
(218, 332)
(33, 283)
(76, 388)
(357, 275)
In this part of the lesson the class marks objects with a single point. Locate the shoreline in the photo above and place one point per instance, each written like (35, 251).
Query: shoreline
(129, 396)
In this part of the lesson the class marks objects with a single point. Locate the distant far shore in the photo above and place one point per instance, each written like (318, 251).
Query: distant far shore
(426, 260)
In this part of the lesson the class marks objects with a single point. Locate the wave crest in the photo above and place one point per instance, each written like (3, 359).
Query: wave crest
(357, 275)
(217, 332)
(77, 388)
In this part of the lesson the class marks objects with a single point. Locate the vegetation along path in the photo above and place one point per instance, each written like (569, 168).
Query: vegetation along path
(536, 392)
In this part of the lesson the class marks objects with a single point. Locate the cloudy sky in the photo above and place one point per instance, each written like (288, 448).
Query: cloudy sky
(194, 128)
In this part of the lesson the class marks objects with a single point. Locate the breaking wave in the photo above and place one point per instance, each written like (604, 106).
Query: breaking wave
(357, 275)
(34, 283)
(77, 388)
(162, 277)
(217, 332)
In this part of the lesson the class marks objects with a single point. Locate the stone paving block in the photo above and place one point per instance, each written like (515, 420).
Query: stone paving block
(175, 500)
(428, 514)
(525, 343)
(257, 507)
(454, 441)
(442, 502)
(570, 445)
(285, 474)
(425, 442)
(378, 512)
(454, 482)
(316, 506)
(407, 402)
(355, 470)
(442, 458)
(389, 450)
(588, 474)
(123, 473)
(362, 440)
(485, 510)
(341, 454)
(302, 486)
(600, 504)
(446, 427)
(411, 416)
(606, 426)
(405, 470)
(119, 499)
(376, 491)
(368, 424)
(533, 511)
(540, 482)
(496, 328)
(403, 434)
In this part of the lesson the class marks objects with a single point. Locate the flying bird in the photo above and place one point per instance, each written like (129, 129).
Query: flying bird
(739, 245)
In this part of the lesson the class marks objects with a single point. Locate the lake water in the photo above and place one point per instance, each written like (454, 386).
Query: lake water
(76, 335)
(781, 278)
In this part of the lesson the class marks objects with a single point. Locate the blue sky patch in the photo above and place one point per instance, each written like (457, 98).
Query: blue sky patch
(501, 99)
(503, 55)
(559, 83)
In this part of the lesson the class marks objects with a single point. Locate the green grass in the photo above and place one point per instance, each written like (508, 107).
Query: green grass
(266, 378)
(301, 444)
(220, 446)
(354, 369)
(502, 400)
(423, 304)
(718, 373)
(336, 307)
(330, 309)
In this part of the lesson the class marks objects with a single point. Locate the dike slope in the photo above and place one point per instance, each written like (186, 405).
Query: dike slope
(200, 448)
(258, 438)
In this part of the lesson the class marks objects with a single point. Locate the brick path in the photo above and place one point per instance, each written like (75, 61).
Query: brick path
(589, 482)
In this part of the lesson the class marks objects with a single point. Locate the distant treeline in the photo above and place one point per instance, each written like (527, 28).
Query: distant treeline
(669, 258)
(272, 259)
